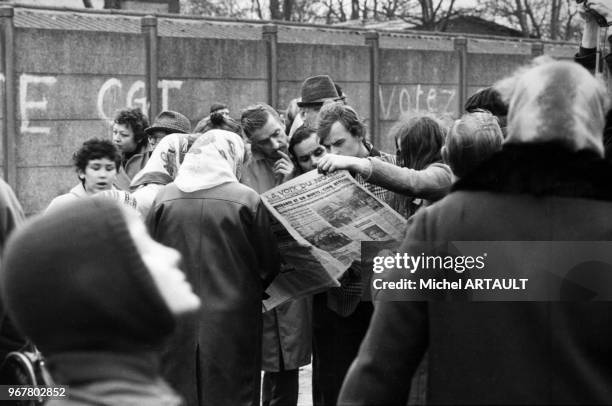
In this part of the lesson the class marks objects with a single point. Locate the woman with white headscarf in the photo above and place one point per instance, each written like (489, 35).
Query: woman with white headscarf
(222, 229)
(161, 169)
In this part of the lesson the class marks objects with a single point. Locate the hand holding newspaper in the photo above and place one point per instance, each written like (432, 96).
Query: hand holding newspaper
(319, 222)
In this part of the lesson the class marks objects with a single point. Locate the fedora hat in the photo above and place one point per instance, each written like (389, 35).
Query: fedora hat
(316, 89)
(171, 121)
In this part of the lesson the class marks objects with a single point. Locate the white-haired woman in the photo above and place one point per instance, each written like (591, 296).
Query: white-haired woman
(548, 183)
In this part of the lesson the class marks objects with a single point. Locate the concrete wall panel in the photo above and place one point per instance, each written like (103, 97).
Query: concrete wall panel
(79, 52)
(425, 67)
(342, 63)
(36, 187)
(486, 69)
(56, 147)
(212, 58)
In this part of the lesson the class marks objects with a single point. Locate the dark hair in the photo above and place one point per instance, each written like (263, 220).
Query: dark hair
(96, 148)
(136, 121)
(487, 99)
(303, 132)
(419, 140)
(345, 115)
(255, 117)
(218, 121)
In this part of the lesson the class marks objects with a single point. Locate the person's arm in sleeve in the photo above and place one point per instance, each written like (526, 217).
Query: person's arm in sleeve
(587, 53)
(431, 183)
(396, 341)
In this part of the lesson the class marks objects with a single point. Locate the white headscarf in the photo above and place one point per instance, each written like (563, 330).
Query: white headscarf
(162, 166)
(216, 157)
(555, 101)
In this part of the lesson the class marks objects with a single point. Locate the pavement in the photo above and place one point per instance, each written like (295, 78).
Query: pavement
(305, 391)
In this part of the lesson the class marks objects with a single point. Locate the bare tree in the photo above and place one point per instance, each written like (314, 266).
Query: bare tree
(554, 19)
(354, 9)
(555, 23)
(430, 14)
(112, 4)
(256, 8)
(275, 12)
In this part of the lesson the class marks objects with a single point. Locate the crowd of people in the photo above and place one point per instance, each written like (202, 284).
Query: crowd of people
(144, 283)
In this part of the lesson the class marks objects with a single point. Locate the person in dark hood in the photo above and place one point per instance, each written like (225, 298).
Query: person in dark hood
(98, 297)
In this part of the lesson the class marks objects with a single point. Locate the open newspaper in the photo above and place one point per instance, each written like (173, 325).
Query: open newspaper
(319, 222)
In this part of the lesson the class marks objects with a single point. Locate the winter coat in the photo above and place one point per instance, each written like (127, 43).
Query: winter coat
(288, 327)
(11, 217)
(108, 379)
(500, 352)
(131, 167)
(229, 256)
(431, 183)
(77, 192)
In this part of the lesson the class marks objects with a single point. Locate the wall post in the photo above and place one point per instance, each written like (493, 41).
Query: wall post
(9, 123)
(149, 30)
(461, 48)
(372, 40)
(537, 49)
(270, 37)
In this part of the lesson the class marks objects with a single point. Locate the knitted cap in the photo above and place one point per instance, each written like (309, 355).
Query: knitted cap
(170, 121)
(74, 281)
(316, 89)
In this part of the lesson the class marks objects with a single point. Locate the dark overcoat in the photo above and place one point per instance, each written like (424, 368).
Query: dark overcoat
(287, 329)
(501, 352)
(229, 256)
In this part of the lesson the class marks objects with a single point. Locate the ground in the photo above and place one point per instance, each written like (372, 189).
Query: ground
(305, 395)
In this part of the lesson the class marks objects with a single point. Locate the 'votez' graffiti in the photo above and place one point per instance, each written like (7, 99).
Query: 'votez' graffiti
(35, 89)
(398, 100)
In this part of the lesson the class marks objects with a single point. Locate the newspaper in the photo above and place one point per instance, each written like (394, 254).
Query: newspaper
(319, 222)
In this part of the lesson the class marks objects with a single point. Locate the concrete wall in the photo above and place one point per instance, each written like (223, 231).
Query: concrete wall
(73, 70)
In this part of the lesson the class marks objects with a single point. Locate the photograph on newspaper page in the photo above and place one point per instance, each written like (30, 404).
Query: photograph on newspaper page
(320, 221)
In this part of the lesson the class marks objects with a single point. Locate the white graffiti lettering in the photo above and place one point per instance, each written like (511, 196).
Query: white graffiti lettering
(165, 86)
(134, 97)
(141, 102)
(109, 84)
(25, 104)
(396, 101)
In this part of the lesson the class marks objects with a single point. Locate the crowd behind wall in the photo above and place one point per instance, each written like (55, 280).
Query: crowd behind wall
(64, 73)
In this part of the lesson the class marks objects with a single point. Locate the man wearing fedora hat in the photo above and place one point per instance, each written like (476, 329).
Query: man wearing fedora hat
(167, 122)
(316, 91)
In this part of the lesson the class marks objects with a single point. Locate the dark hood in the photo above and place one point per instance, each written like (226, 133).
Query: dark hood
(73, 280)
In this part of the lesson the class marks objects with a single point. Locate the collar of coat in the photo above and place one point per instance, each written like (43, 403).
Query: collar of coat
(544, 169)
